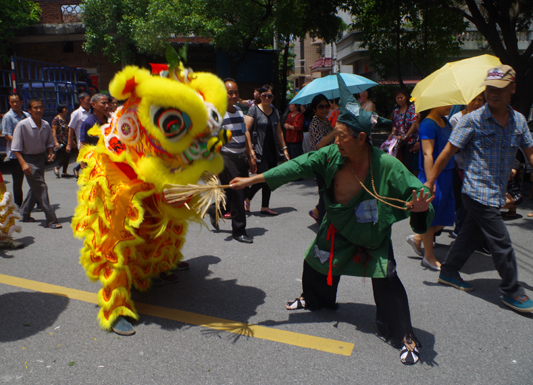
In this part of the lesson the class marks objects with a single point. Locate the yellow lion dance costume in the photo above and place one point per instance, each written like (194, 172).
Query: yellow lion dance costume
(167, 132)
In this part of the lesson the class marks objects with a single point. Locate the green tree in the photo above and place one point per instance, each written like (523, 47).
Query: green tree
(15, 14)
(399, 33)
(500, 22)
(125, 29)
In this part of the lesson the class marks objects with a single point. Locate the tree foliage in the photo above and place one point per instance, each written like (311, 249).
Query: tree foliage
(398, 33)
(122, 29)
(15, 14)
(500, 21)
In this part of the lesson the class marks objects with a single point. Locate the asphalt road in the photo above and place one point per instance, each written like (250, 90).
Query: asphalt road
(225, 321)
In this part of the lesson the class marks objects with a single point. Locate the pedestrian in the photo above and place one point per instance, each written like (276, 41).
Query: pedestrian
(321, 134)
(238, 159)
(99, 107)
(434, 132)
(76, 119)
(263, 124)
(405, 127)
(365, 102)
(60, 132)
(489, 139)
(33, 145)
(9, 122)
(294, 131)
(355, 236)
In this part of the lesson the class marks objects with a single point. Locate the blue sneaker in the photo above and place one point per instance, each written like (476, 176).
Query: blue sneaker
(520, 303)
(455, 281)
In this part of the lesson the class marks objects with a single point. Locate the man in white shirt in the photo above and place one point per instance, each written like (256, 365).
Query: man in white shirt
(76, 120)
(33, 145)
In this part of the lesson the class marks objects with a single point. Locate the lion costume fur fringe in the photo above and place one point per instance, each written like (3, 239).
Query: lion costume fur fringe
(167, 132)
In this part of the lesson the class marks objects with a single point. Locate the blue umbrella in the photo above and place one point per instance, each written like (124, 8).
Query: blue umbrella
(330, 88)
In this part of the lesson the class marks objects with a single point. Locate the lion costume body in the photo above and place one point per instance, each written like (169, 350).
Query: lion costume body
(167, 132)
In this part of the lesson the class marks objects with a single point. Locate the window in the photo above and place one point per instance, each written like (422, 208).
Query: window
(71, 13)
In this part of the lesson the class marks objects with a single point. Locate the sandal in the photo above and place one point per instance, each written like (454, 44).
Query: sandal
(56, 171)
(298, 303)
(530, 215)
(227, 216)
(29, 219)
(246, 206)
(269, 212)
(55, 225)
(409, 357)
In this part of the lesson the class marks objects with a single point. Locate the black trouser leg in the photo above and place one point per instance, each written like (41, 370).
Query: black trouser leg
(316, 291)
(18, 179)
(392, 306)
(235, 166)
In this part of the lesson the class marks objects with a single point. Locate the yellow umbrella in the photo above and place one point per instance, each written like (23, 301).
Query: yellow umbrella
(455, 83)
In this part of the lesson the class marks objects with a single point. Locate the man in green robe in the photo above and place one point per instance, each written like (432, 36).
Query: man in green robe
(366, 192)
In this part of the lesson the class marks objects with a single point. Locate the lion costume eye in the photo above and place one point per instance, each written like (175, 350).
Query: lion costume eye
(174, 124)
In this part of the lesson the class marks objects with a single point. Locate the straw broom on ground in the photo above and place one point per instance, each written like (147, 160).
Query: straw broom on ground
(211, 191)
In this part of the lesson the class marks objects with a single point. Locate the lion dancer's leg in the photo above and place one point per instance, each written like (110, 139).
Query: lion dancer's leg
(8, 214)
(115, 301)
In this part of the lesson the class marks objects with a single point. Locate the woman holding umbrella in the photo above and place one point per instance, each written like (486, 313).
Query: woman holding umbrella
(263, 124)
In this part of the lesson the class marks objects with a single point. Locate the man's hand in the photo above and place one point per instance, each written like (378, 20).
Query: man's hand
(26, 168)
(68, 148)
(239, 183)
(56, 145)
(419, 203)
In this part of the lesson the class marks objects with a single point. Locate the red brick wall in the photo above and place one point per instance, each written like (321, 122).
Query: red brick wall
(52, 10)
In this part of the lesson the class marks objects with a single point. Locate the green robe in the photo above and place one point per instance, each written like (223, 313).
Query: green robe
(364, 222)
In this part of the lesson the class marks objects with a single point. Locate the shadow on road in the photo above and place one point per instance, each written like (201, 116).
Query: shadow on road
(27, 313)
(197, 293)
(362, 317)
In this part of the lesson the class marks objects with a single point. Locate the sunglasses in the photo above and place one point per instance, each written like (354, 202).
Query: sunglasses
(267, 96)
(323, 107)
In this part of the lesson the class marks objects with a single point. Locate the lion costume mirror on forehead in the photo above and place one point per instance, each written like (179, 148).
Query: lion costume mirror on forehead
(166, 133)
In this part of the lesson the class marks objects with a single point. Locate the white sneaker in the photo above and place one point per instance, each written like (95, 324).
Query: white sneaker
(411, 240)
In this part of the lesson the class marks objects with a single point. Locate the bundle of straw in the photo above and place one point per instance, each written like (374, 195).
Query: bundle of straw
(212, 192)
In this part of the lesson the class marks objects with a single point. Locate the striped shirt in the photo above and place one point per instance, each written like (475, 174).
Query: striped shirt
(234, 122)
(489, 151)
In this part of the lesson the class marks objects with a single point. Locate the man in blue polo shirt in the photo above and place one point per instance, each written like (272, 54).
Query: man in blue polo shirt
(100, 105)
(489, 139)
(9, 122)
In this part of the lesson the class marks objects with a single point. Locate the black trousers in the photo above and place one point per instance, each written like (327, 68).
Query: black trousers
(63, 159)
(321, 206)
(261, 168)
(484, 223)
(235, 165)
(392, 306)
(18, 179)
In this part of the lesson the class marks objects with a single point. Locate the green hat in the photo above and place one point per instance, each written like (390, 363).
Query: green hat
(351, 112)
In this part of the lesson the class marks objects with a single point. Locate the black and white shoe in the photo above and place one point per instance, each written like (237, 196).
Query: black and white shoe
(407, 357)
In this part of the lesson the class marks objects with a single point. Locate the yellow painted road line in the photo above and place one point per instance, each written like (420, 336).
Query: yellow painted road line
(242, 328)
